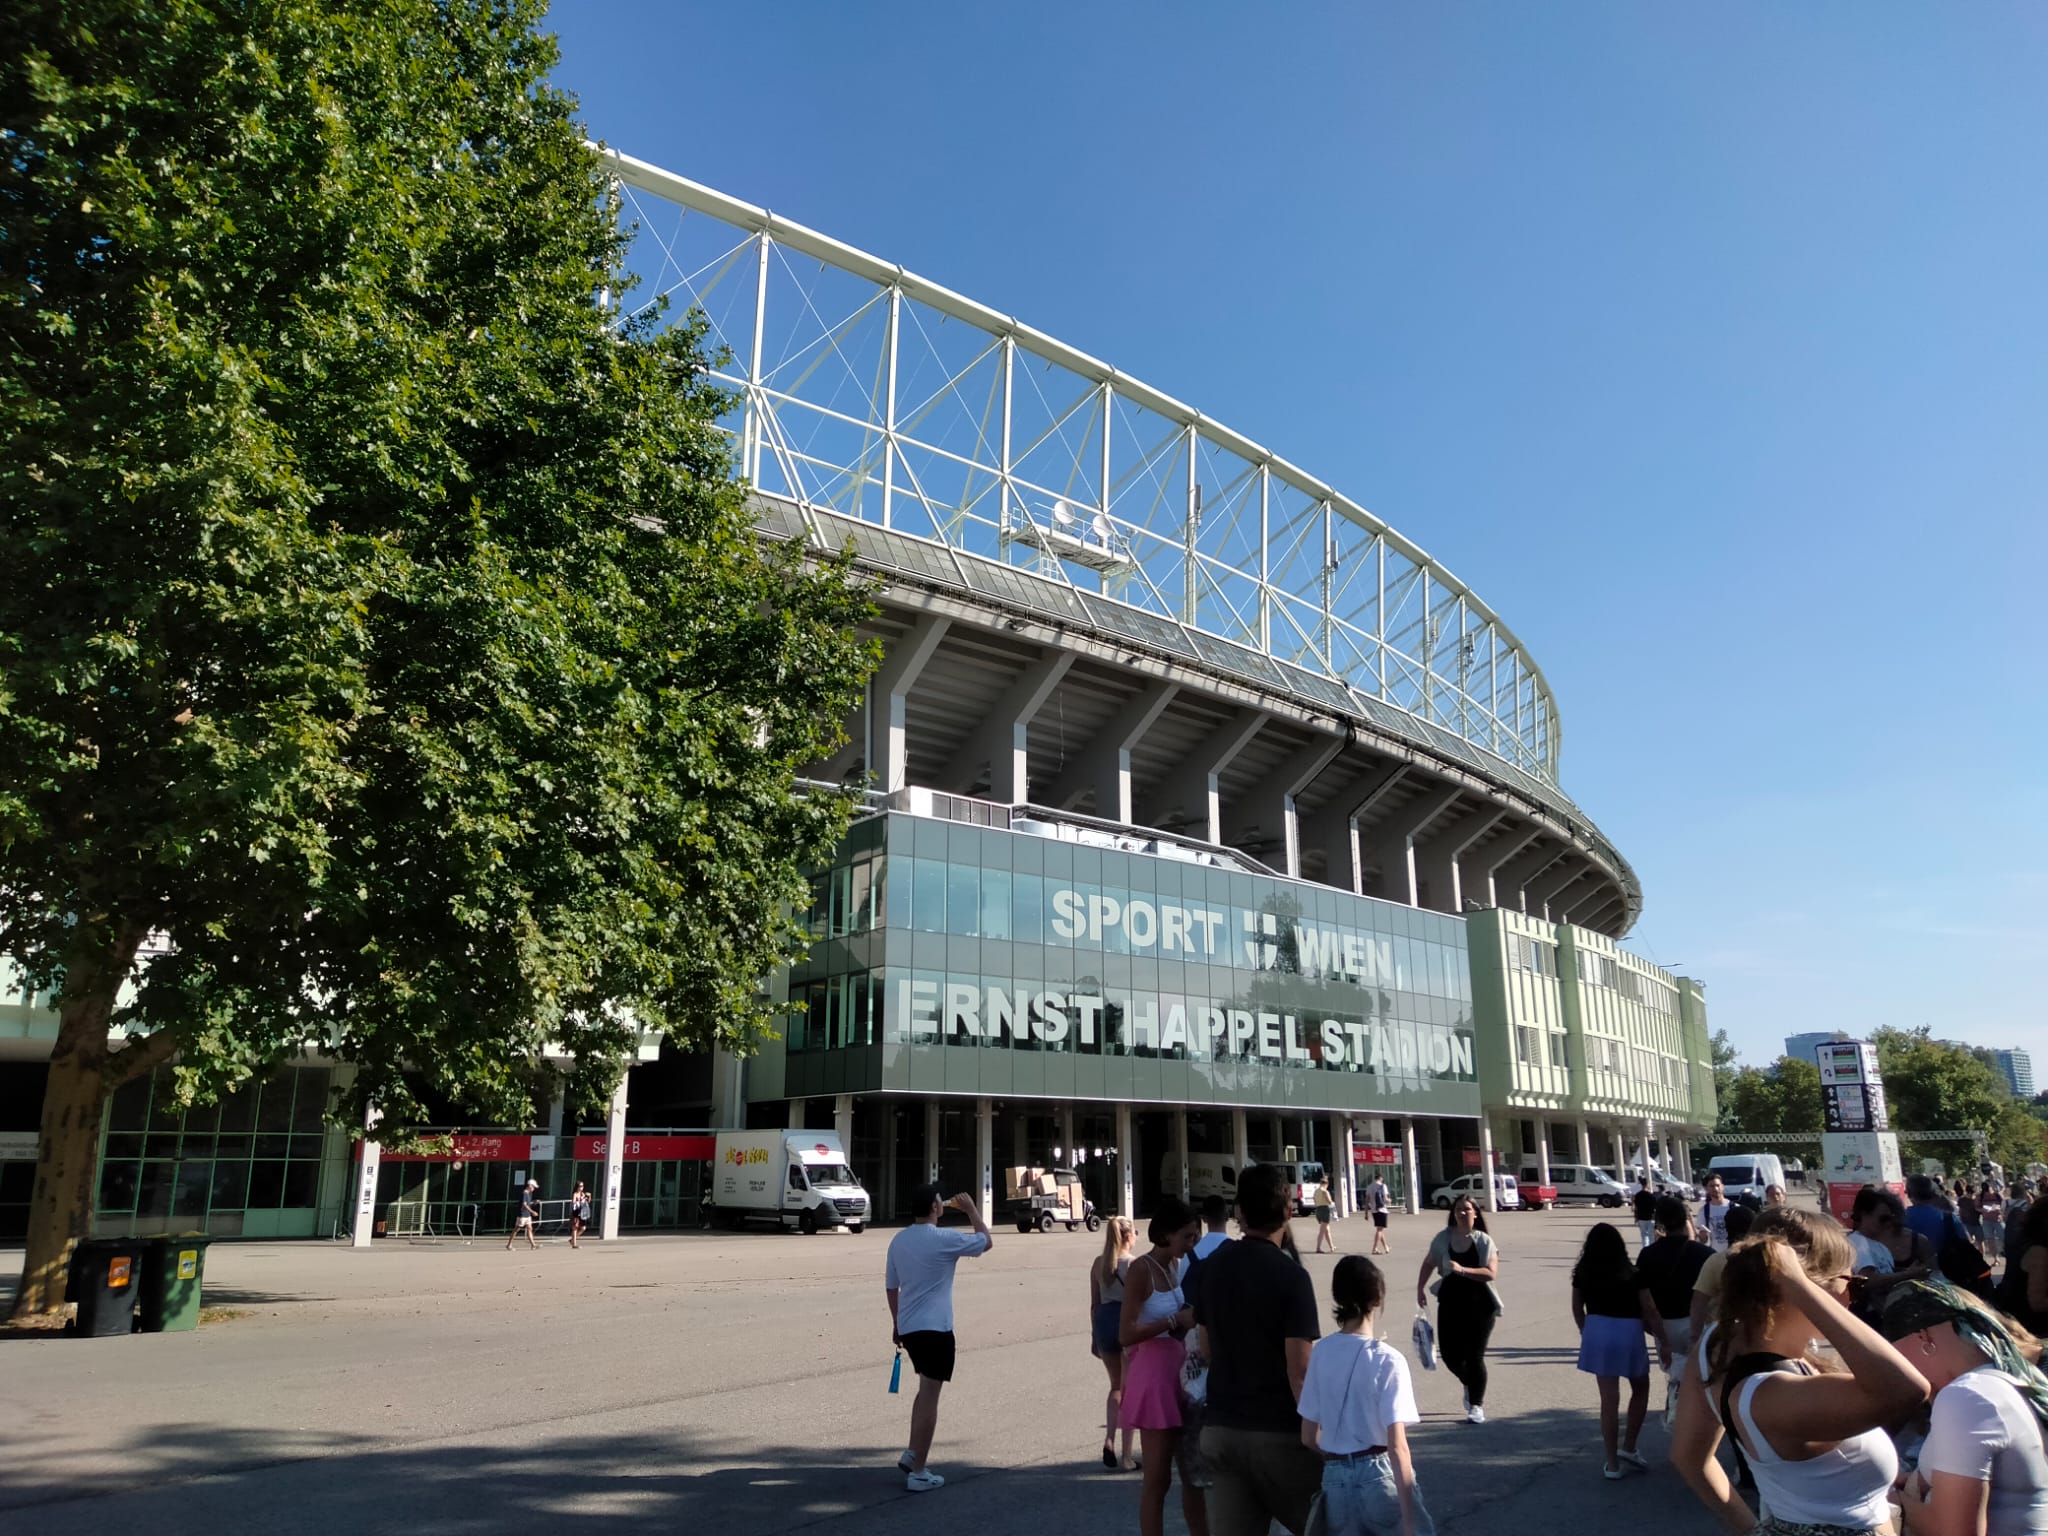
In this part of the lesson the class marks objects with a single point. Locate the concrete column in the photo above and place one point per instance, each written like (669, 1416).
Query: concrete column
(892, 1127)
(1265, 819)
(1020, 1142)
(1543, 1149)
(1104, 765)
(364, 1222)
(1486, 1161)
(1280, 1137)
(998, 743)
(1414, 1167)
(1334, 828)
(1585, 1143)
(1126, 1160)
(558, 1109)
(1240, 1137)
(1392, 843)
(1180, 1151)
(614, 1160)
(1649, 1135)
(728, 1090)
(1476, 869)
(931, 1141)
(1189, 798)
(1511, 880)
(842, 1122)
(1620, 1153)
(984, 1153)
(1067, 1136)
(888, 750)
(1344, 1178)
(796, 1114)
(1437, 856)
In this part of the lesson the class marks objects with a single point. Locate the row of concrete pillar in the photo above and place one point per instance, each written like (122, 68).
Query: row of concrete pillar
(1412, 855)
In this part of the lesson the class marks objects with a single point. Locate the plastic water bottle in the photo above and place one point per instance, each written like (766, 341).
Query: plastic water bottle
(896, 1373)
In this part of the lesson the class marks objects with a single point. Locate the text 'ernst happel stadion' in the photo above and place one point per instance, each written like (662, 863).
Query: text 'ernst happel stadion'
(1127, 1021)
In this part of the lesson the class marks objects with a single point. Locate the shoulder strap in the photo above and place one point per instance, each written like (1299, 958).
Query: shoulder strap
(1740, 1369)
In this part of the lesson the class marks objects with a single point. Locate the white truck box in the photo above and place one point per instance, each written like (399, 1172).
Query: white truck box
(796, 1179)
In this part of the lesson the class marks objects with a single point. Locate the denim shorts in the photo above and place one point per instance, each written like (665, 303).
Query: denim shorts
(1360, 1499)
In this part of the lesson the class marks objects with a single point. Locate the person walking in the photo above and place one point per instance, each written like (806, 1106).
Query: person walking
(1714, 1213)
(918, 1281)
(2023, 1290)
(1665, 1275)
(1379, 1201)
(1646, 1214)
(528, 1217)
(1970, 1213)
(1983, 1469)
(1814, 1435)
(1611, 1312)
(1325, 1207)
(1153, 1328)
(579, 1214)
(1105, 1322)
(1466, 1262)
(1991, 1215)
(1256, 1312)
(1357, 1402)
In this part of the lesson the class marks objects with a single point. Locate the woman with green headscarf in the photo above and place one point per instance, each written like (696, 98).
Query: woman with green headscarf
(1984, 1468)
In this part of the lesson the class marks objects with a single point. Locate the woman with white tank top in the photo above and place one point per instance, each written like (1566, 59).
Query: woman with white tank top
(1813, 1432)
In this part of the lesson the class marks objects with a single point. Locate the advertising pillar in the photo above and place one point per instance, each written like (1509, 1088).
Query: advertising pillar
(1857, 1146)
(614, 1161)
(364, 1216)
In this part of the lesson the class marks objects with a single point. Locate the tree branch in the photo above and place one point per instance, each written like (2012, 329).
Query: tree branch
(139, 1056)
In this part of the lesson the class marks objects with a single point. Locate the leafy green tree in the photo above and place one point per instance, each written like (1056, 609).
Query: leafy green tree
(387, 662)
(1936, 1085)
(1782, 1101)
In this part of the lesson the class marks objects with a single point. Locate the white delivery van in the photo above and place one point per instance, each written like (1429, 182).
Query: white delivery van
(1748, 1174)
(1209, 1173)
(1580, 1184)
(793, 1178)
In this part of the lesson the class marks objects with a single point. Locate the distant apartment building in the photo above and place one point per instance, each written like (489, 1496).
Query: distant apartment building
(2018, 1068)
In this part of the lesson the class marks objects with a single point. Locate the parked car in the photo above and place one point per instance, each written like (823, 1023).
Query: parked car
(1536, 1195)
(1581, 1184)
(1507, 1194)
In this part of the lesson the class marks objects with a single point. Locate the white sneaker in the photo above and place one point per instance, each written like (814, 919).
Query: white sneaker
(905, 1462)
(923, 1482)
(1474, 1414)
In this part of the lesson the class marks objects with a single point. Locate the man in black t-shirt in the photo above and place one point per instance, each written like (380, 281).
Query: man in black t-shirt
(1256, 1311)
(529, 1214)
(1668, 1269)
(1646, 1214)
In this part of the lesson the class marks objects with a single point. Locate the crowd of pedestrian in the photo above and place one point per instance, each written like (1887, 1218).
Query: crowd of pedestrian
(1866, 1375)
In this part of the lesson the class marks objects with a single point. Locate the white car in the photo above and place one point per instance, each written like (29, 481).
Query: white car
(1506, 1195)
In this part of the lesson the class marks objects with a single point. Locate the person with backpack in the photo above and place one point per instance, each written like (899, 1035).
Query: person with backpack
(1357, 1401)
(1959, 1260)
(1814, 1430)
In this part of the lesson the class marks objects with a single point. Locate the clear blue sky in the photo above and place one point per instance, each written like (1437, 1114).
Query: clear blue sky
(1710, 344)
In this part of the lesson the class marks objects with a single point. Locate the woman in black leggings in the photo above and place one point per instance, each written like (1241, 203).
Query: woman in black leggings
(1466, 1262)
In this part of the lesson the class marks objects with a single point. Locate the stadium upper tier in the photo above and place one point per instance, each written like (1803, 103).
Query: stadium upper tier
(1082, 569)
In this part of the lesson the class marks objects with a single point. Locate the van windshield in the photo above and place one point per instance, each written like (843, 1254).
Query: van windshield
(1736, 1173)
(1311, 1173)
(829, 1173)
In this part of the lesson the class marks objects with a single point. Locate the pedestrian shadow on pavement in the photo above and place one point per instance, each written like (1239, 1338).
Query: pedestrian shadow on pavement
(542, 1479)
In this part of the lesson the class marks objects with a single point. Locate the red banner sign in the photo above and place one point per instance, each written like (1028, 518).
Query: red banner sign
(1383, 1156)
(1471, 1155)
(650, 1149)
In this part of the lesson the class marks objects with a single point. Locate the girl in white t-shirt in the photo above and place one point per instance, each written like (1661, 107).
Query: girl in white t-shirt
(1356, 1405)
(1984, 1467)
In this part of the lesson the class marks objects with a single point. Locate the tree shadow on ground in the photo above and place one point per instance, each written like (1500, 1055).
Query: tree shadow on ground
(545, 1480)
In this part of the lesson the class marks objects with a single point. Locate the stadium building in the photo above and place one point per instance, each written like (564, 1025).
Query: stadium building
(1207, 817)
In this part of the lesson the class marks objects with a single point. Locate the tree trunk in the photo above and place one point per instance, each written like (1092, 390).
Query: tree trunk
(67, 1156)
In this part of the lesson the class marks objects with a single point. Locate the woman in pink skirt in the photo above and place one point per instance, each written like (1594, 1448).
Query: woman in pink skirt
(1153, 1331)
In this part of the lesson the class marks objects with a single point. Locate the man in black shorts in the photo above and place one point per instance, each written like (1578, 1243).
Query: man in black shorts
(1377, 1200)
(920, 1290)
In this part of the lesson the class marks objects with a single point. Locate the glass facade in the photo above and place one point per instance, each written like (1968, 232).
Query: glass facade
(249, 1165)
(957, 959)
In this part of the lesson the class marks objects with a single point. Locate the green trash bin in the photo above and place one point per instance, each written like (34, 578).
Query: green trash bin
(103, 1279)
(173, 1269)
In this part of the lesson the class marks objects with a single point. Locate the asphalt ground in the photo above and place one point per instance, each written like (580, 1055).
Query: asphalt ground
(734, 1383)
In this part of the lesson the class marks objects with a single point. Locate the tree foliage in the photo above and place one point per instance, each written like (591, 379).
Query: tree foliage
(1938, 1085)
(381, 627)
(1784, 1100)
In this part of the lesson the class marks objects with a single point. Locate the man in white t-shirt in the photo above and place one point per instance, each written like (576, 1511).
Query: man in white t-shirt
(919, 1281)
(1714, 1214)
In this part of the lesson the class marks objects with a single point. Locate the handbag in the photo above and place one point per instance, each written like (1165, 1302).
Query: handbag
(1194, 1379)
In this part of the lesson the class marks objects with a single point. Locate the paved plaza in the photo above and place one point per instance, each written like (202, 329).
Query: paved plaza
(729, 1383)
